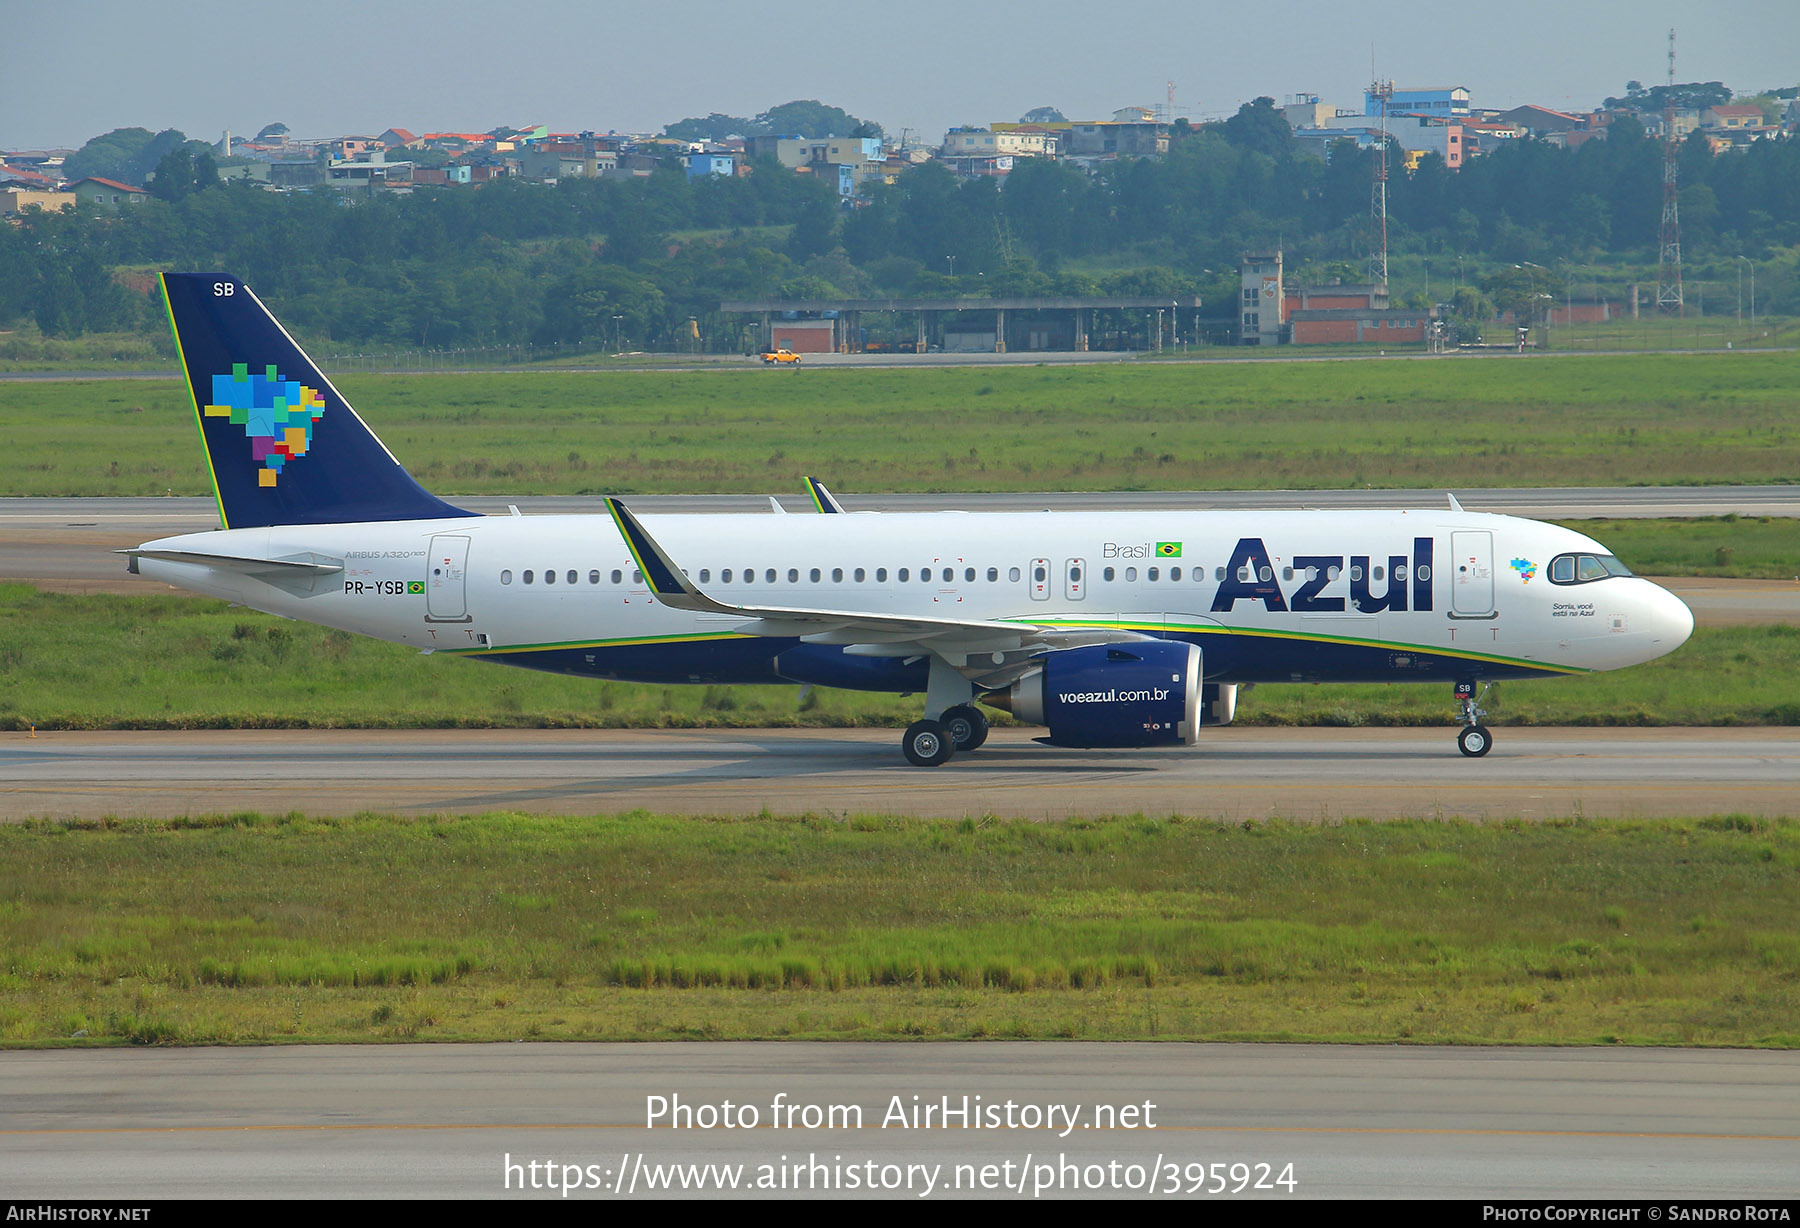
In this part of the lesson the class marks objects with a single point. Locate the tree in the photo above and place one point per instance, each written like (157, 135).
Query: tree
(715, 127)
(184, 171)
(580, 306)
(1259, 127)
(124, 154)
(807, 117)
(815, 227)
(1519, 290)
(1589, 221)
(1690, 95)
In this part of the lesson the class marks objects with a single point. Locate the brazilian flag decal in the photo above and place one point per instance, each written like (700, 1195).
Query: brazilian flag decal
(415, 587)
(1168, 550)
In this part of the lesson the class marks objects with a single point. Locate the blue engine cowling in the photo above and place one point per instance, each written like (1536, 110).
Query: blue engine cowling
(1137, 694)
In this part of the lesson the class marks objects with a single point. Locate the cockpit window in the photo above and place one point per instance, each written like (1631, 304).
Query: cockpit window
(1585, 568)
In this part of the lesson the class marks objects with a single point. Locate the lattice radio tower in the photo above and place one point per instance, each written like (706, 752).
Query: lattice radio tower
(1378, 261)
(1668, 264)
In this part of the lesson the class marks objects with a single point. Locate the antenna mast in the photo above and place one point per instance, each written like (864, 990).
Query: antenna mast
(1668, 264)
(1382, 91)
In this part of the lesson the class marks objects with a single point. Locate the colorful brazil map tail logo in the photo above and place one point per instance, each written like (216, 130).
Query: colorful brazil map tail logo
(277, 414)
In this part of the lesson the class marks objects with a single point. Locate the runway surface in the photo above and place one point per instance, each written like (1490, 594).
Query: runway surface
(1235, 773)
(441, 1121)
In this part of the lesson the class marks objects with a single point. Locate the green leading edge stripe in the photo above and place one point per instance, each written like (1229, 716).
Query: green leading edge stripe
(199, 426)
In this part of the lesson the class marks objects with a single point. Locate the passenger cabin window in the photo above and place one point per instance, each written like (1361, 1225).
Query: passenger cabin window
(506, 577)
(528, 577)
(618, 577)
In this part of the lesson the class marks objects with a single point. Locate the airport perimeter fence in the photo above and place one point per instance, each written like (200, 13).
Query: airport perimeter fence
(462, 358)
(1648, 333)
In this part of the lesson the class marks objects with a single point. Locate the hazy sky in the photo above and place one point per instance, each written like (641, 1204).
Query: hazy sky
(77, 68)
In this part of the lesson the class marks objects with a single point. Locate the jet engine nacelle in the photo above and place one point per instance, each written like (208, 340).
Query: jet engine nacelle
(1138, 694)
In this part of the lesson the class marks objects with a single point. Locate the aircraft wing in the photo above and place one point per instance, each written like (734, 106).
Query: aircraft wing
(991, 652)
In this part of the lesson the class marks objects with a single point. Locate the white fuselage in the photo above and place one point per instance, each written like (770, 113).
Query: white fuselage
(1272, 596)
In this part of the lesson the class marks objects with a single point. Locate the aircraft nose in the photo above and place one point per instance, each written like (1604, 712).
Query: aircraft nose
(1671, 622)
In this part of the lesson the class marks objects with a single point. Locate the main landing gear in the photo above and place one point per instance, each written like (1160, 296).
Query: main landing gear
(928, 743)
(1476, 739)
(951, 723)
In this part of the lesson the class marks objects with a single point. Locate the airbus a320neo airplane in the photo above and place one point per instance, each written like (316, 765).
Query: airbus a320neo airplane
(1110, 628)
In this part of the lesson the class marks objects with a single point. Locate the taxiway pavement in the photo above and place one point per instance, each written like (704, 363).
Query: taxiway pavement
(1235, 773)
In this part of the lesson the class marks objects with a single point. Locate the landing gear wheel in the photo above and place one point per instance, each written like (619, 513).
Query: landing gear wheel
(927, 744)
(1475, 741)
(966, 725)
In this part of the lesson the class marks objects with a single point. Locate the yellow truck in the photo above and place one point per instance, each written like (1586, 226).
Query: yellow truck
(773, 357)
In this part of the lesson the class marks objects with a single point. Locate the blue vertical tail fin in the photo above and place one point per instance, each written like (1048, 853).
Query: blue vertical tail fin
(283, 446)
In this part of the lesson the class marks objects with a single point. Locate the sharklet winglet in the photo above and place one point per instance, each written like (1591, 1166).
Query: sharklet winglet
(661, 573)
(822, 499)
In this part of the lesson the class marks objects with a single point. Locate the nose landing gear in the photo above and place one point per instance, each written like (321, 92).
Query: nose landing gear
(1476, 739)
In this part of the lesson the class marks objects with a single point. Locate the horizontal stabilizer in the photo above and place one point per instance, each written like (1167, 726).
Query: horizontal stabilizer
(236, 562)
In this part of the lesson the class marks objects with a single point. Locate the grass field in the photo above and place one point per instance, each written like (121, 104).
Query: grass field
(506, 926)
(160, 662)
(1580, 420)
